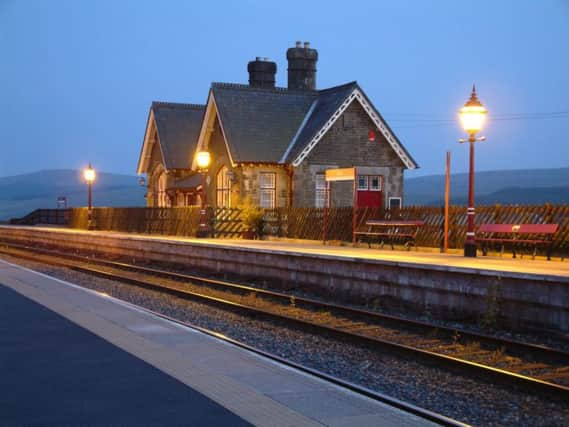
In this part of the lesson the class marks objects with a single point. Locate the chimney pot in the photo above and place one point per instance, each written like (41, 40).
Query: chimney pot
(262, 72)
(299, 44)
(302, 67)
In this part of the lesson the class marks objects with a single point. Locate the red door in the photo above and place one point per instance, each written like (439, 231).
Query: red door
(369, 188)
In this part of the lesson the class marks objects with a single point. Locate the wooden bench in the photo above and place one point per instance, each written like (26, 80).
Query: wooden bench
(391, 231)
(518, 235)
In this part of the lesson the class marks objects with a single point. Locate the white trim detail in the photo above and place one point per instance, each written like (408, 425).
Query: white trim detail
(298, 132)
(389, 199)
(146, 151)
(357, 94)
(324, 129)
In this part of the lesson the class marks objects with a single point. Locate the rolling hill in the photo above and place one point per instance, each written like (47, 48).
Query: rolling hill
(22, 194)
(527, 186)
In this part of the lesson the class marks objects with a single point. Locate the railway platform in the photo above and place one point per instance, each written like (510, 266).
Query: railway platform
(73, 356)
(530, 293)
(504, 264)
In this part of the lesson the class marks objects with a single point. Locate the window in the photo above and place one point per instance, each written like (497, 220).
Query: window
(394, 202)
(223, 188)
(190, 199)
(321, 191)
(163, 199)
(362, 182)
(267, 193)
(375, 183)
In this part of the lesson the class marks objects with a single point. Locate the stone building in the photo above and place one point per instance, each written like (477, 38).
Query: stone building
(270, 146)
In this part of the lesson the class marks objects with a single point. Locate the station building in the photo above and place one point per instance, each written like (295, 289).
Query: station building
(271, 145)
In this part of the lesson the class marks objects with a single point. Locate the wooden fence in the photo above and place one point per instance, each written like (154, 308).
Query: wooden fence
(167, 221)
(44, 216)
(305, 223)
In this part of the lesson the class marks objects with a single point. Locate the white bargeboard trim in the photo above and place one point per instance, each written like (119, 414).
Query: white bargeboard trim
(357, 94)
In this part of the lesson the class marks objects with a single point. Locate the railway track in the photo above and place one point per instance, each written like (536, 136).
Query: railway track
(536, 369)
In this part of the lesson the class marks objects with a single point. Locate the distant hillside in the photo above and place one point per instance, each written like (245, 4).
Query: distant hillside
(530, 186)
(22, 194)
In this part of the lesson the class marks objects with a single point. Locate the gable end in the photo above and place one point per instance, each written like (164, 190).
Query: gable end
(373, 115)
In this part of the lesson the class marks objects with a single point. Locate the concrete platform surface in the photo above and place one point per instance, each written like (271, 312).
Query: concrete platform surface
(71, 356)
(525, 266)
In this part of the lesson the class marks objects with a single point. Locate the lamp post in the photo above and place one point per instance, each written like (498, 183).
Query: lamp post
(203, 160)
(89, 175)
(472, 117)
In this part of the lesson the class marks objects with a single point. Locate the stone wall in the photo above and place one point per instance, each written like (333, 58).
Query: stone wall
(245, 182)
(347, 144)
(250, 183)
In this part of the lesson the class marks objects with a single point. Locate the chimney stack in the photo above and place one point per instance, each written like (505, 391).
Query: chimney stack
(302, 66)
(262, 73)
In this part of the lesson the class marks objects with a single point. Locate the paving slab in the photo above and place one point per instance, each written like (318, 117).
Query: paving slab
(86, 358)
(54, 372)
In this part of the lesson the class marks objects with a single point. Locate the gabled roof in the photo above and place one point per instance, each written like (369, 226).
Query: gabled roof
(178, 127)
(282, 126)
(325, 105)
(259, 123)
(330, 105)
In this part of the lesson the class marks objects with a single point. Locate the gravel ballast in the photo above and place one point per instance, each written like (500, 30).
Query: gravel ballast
(465, 399)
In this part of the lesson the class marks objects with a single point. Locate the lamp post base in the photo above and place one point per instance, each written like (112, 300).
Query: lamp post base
(470, 250)
(203, 228)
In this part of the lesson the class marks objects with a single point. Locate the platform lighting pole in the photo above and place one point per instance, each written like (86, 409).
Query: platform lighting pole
(447, 197)
(89, 175)
(472, 116)
(203, 159)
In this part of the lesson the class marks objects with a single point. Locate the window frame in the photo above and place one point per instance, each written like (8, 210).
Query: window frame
(269, 188)
(320, 193)
(380, 182)
(223, 188)
(358, 187)
(395, 198)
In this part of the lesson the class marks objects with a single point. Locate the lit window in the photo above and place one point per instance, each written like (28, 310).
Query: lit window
(375, 183)
(223, 188)
(362, 182)
(267, 190)
(163, 199)
(321, 191)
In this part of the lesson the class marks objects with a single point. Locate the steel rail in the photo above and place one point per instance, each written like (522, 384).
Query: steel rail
(461, 366)
(513, 347)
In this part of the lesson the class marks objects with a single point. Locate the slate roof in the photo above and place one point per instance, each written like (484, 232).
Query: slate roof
(259, 124)
(178, 127)
(271, 125)
(327, 102)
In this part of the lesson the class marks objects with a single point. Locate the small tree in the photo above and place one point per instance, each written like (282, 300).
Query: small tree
(252, 218)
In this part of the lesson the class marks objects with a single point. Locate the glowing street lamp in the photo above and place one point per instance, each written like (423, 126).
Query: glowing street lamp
(203, 159)
(89, 175)
(472, 117)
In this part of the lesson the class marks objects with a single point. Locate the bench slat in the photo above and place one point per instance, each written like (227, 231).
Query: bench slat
(538, 228)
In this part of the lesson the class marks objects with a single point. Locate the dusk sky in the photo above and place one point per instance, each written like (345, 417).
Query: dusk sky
(77, 77)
